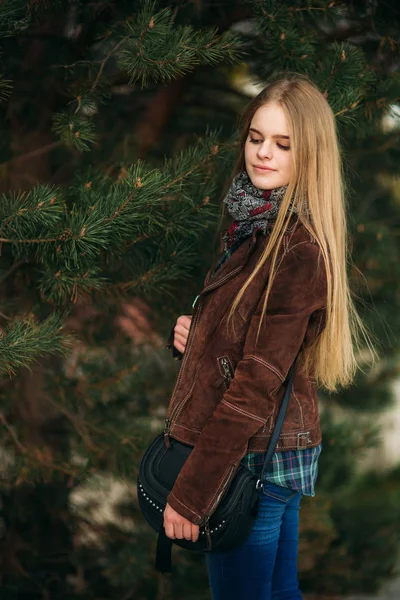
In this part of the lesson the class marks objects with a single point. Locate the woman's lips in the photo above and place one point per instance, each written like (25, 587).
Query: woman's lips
(264, 169)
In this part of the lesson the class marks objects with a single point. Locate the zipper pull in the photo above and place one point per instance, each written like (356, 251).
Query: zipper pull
(208, 534)
(167, 428)
(195, 300)
(226, 368)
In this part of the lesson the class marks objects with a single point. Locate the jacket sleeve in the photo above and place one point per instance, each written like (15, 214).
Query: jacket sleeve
(299, 288)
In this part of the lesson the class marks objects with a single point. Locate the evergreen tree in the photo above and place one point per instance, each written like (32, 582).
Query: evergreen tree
(117, 137)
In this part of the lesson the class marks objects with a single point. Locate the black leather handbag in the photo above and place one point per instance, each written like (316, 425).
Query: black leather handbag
(230, 523)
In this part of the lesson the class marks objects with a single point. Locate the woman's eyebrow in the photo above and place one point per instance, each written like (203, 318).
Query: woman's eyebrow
(278, 135)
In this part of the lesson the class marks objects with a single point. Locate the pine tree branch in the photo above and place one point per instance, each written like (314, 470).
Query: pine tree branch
(32, 153)
(81, 426)
(78, 424)
(12, 433)
(34, 457)
(214, 151)
(391, 142)
(103, 62)
(121, 208)
(5, 317)
(348, 108)
(23, 341)
(127, 285)
(38, 241)
(117, 378)
(11, 270)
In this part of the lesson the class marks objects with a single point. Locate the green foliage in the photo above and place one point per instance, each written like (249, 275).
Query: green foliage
(5, 88)
(149, 47)
(154, 48)
(75, 130)
(24, 341)
(143, 218)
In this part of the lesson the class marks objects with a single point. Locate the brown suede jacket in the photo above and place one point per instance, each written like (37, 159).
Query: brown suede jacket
(227, 392)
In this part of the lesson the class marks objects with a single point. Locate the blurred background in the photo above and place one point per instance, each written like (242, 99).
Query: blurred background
(117, 137)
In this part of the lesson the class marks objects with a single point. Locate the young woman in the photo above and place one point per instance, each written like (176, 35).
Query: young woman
(279, 289)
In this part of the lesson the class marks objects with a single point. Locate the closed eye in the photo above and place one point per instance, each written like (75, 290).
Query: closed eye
(254, 141)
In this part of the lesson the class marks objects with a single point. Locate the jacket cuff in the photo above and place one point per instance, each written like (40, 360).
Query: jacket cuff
(170, 345)
(183, 510)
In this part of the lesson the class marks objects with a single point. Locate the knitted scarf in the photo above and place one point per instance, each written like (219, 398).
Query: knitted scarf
(251, 208)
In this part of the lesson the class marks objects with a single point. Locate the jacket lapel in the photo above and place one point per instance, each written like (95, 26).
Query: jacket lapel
(239, 258)
(232, 266)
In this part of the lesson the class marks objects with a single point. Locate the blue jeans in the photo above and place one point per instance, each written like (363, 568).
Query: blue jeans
(265, 566)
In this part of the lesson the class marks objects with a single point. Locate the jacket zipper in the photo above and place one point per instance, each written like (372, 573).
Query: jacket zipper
(225, 482)
(177, 410)
(195, 319)
(226, 369)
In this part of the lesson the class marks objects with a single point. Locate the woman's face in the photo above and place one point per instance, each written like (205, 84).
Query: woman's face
(267, 149)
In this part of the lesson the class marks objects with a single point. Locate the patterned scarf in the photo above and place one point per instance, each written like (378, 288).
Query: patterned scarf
(251, 208)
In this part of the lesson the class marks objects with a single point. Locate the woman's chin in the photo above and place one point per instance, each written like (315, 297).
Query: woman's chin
(265, 181)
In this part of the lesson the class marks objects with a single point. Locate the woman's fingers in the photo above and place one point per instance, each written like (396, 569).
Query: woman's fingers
(182, 327)
(177, 527)
(181, 332)
(179, 337)
(184, 321)
(187, 531)
(180, 343)
(169, 529)
(180, 347)
(178, 530)
(195, 532)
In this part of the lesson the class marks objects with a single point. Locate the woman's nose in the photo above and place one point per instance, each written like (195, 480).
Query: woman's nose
(265, 150)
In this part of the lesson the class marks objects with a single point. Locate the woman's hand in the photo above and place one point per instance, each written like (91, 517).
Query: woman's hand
(181, 332)
(178, 527)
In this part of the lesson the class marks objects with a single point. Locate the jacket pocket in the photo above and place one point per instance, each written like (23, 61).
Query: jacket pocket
(226, 369)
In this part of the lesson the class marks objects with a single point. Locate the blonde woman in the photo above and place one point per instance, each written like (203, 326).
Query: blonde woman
(278, 289)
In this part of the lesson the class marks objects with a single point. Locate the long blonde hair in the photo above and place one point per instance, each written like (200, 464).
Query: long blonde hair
(317, 187)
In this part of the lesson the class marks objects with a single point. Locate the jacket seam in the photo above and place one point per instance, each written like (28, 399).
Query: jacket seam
(176, 436)
(294, 433)
(267, 420)
(311, 393)
(218, 490)
(300, 408)
(299, 244)
(188, 428)
(226, 276)
(243, 412)
(265, 364)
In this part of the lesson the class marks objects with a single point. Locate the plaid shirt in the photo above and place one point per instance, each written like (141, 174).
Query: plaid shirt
(295, 469)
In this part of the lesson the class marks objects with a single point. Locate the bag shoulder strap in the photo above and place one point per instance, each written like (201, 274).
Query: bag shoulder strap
(279, 422)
